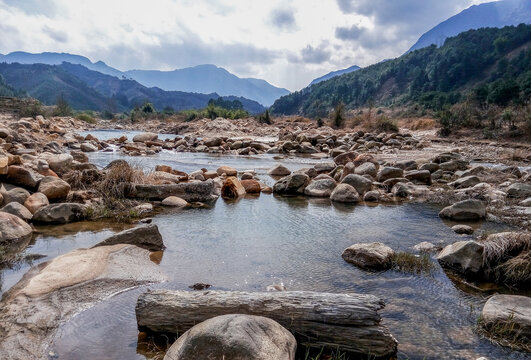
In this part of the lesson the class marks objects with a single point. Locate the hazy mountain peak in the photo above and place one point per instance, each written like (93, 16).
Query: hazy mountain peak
(334, 74)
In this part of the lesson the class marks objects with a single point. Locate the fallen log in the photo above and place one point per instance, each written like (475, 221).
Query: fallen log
(202, 191)
(347, 322)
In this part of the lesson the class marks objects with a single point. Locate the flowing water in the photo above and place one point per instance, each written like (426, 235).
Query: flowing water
(261, 240)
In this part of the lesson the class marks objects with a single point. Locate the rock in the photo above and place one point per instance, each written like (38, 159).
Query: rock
(13, 229)
(519, 190)
(232, 188)
(526, 202)
(236, 337)
(463, 229)
(146, 236)
(210, 174)
(18, 175)
(345, 193)
(79, 156)
(292, 184)
(465, 182)
(371, 256)
(345, 157)
(406, 165)
(511, 313)
(247, 176)
(466, 257)
(145, 137)
(61, 163)
(15, 195)
(431, 167)
(389, 173)
(54, 188)
(279, 170)
(454, 165)
(200, 286)
(401, 190)
(470, 209)
(426, 246)
(35, 201)
(4, 162)
(367, 168)
(17, 209)
(51, 293)
(251, 186)
(358, 182)
(60, 213)
(418, 176)
(175, 201)
(213, 142)
(229, 171)
(307, 148)
(320, 188)
(371, 196)
(324, 167)
(204, 191)
(88, 147)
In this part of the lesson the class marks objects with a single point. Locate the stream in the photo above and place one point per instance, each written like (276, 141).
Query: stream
(257, 241)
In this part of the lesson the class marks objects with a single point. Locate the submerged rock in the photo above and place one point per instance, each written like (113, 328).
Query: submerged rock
(51, 293)
(463, 229)
(236, 337)
(470, 209)
(372, 256)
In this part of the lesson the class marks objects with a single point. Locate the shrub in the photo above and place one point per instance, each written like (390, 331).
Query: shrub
(384, 124)
(31, 108)
(338, 115)
(86, 118)
(62, 107)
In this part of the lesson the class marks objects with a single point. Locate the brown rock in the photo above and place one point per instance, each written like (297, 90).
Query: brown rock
(232, 188)
(54, 188)
(36, 201)
(251, 186)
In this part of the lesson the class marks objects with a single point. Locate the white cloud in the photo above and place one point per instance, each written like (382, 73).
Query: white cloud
(287, 43)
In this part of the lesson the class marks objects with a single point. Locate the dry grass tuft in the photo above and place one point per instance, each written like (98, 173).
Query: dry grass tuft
(502, 246)
(516, 271)
(505, 333)
(119, 179)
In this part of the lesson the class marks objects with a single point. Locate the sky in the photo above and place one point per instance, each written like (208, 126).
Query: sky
(285, 42)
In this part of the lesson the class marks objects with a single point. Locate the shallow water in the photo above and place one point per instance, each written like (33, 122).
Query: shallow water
(106, 134)
(260, 240)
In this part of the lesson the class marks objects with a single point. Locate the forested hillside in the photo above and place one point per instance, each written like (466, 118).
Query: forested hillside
(494, 64)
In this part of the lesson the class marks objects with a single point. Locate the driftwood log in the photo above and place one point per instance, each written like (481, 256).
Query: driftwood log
(348, 322)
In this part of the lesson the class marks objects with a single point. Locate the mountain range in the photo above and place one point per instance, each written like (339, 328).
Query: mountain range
(86, 89)
(494, 64)
(334, 74)
(492, 14)
(205, 79)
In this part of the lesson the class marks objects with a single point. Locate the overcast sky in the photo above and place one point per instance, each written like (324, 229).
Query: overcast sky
(287, 43)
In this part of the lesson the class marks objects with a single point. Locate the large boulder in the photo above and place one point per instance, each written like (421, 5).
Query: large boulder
(15, 195)
(345, 157)
(60, 163)
(320, 187)
(470, 209)
(146, 236)
(371, 256)
(232, 188)
(202, 191)
(251, 186)
(54, 188)
(279, 170)
(13, 229)
(519, 190)
(358, 182)
(35, 201)
(389, 172)
(234, 337)
(292, 184)
(60, 213)
(18, 209)
(508, 317)
(465, 257)
(367, 168)
(145, 137)
(21, 176)
(345, 193)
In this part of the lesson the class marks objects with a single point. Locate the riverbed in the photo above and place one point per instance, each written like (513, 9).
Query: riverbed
(261, 240)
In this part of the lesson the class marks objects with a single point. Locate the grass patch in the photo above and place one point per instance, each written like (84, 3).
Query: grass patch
(119, 178)
(412, 264)
(86, 118)
(504, 333)
(312, 354)
(502, 246)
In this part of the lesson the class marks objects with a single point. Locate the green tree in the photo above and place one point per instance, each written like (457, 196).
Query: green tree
(62, 107)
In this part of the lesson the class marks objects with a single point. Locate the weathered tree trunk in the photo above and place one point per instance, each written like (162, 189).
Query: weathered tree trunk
(348, 322)
(204, 191)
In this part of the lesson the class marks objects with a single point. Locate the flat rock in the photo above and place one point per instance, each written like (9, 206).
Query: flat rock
(200, 191)
(236, 337)
(146, 236)
(60, 213)
(175, 201)
(463, 229)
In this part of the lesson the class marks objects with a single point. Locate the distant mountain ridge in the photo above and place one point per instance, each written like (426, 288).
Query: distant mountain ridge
(492, 14)
(334, 74)
(86, 89)
(205, 79)
(209, 78)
